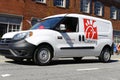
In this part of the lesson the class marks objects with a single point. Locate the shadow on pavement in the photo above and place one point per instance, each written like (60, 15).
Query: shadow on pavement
(85, 61)
(62, 62)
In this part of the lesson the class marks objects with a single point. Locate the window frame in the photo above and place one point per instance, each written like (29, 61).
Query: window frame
(99, 10)
(119, 14)
(13, 28)
(41, 1)
(84, 4)
(64, 3)
(113, 12)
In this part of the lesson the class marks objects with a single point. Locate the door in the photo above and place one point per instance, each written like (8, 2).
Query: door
(3, 29)
(74, 41)
(89, 37)
(68, 40)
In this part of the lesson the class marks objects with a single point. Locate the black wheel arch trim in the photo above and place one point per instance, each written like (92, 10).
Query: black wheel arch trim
(46, 43)
(110, 47)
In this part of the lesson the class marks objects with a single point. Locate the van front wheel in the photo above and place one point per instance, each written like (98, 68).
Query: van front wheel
(105, 55)
(43, 55)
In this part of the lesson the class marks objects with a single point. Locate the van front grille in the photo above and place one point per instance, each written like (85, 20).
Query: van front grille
(5, 40)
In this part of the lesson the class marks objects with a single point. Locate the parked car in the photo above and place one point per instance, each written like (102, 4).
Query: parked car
(60, 36)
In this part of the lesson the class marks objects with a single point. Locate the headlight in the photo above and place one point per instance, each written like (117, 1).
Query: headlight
(20, 36)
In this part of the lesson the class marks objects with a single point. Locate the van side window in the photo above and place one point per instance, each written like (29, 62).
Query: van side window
(71, 24)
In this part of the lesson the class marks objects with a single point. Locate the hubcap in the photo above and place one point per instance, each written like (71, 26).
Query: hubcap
(106, 56)
(44, 55)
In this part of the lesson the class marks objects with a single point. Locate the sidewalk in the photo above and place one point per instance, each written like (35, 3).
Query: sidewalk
(2, 59)
(115, 57)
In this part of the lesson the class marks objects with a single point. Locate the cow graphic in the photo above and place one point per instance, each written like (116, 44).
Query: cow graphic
(90, 29)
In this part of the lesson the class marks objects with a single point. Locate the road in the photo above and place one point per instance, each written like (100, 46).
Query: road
(63, 69)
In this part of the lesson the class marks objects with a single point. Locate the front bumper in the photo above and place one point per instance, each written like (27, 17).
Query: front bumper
(17, 49)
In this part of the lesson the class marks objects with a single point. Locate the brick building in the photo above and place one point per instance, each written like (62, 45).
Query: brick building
(15, 14)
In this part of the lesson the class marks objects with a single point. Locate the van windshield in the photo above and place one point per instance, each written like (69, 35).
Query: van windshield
(47, 23)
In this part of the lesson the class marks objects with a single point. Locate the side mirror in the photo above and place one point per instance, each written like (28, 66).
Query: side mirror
(62, 27)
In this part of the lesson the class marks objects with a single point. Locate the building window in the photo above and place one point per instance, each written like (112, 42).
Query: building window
(13, 28)
(113, 12)
(116, 36)
(61, 3)
(41, 1)
(85, 6)
(119, 14)
(9, 23)
(99, 8)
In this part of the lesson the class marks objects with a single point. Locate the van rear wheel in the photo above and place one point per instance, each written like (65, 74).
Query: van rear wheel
(105, 55)
(43, 55)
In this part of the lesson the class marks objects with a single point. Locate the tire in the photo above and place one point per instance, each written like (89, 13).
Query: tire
(43, 55)
(77, 59)
(105, 55)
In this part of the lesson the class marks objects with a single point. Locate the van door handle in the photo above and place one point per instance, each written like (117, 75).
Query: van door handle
(83, 38)
(79, 37)
(59, 37)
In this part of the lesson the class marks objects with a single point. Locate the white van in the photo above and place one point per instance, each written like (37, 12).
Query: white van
(61, 36)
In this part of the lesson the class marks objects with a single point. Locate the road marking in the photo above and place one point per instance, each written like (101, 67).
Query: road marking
(6, 75)
(87, 69)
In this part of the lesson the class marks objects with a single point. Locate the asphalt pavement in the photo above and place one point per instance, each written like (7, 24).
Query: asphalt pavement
(63, 69)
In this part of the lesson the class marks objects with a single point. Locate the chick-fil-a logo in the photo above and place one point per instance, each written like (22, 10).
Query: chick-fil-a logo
(90, 29)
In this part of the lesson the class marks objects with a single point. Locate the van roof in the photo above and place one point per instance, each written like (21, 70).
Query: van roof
(78, 15)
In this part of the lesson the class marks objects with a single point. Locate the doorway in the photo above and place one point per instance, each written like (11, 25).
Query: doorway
(3, 29)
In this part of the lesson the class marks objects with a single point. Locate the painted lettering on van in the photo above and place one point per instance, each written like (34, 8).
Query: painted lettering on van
(90, 29)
